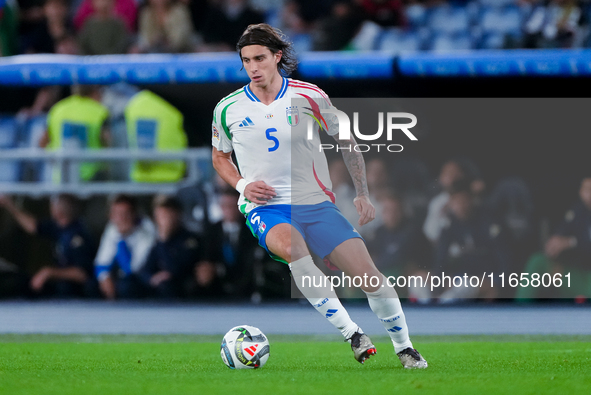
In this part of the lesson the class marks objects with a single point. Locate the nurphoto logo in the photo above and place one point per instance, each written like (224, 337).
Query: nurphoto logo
(344, 125)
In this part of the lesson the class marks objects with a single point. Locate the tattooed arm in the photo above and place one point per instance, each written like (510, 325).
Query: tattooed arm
(356, 166)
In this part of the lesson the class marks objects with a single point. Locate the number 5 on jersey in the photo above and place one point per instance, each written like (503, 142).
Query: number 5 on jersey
(272, 138)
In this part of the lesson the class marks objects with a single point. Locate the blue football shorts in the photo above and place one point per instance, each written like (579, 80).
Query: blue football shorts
(322, 225)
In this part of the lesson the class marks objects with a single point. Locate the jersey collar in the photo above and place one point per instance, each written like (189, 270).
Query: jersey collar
(280, 94)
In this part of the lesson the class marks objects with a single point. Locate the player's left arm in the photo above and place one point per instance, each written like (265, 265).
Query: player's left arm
(356, 166)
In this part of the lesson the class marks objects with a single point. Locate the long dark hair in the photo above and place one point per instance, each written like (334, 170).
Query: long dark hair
(272, 38)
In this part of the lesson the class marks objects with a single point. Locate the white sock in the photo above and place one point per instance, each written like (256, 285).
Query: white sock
(385, 304)
(324, 300)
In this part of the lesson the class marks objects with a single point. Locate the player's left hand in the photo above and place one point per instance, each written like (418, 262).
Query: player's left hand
(366, 210)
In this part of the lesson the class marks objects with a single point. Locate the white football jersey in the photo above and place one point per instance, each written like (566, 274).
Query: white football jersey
(271, 142)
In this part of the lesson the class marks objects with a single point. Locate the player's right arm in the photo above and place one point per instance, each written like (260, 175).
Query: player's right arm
(257, 191)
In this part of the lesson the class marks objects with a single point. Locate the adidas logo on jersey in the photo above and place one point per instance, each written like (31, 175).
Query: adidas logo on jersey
(246, 122)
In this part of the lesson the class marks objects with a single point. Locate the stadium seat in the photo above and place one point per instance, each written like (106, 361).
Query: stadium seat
(498, 23)
(302, 42)
(263, 5)
(366, 38)
(491, 41)
(447, 19)
(273, 16)
(396, 40)
(506, 20)
(415, 16)
(586, 15)
(496, 3)
(451, 42)
(10, 171)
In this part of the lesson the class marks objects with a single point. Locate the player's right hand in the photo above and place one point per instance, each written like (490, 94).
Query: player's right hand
(259, 192)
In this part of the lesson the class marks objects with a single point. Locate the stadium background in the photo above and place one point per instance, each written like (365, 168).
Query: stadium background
(439, 49)
(468, 49)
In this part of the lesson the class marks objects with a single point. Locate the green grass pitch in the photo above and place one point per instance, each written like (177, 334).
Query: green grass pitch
(51, 364)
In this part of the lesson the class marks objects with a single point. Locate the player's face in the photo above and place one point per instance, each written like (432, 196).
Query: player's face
(260, 64)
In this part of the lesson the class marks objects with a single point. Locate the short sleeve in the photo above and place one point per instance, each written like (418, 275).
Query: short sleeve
(220, 135)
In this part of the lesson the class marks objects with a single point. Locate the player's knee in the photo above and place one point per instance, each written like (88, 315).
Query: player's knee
(373, 280)
(298, 251)
(364, 269)
(293, 252)
(287, 253)
(370, 288)
(283, 251)
(370, 268)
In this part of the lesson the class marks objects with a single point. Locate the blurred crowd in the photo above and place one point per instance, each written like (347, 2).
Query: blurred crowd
(197, 245)
(98, 27)
(461, 225)
(151, 253)
(94, 117)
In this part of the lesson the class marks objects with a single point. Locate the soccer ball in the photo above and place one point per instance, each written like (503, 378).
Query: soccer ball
(245, 347)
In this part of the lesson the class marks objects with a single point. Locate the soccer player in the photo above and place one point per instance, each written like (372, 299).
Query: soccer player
(285, 189)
